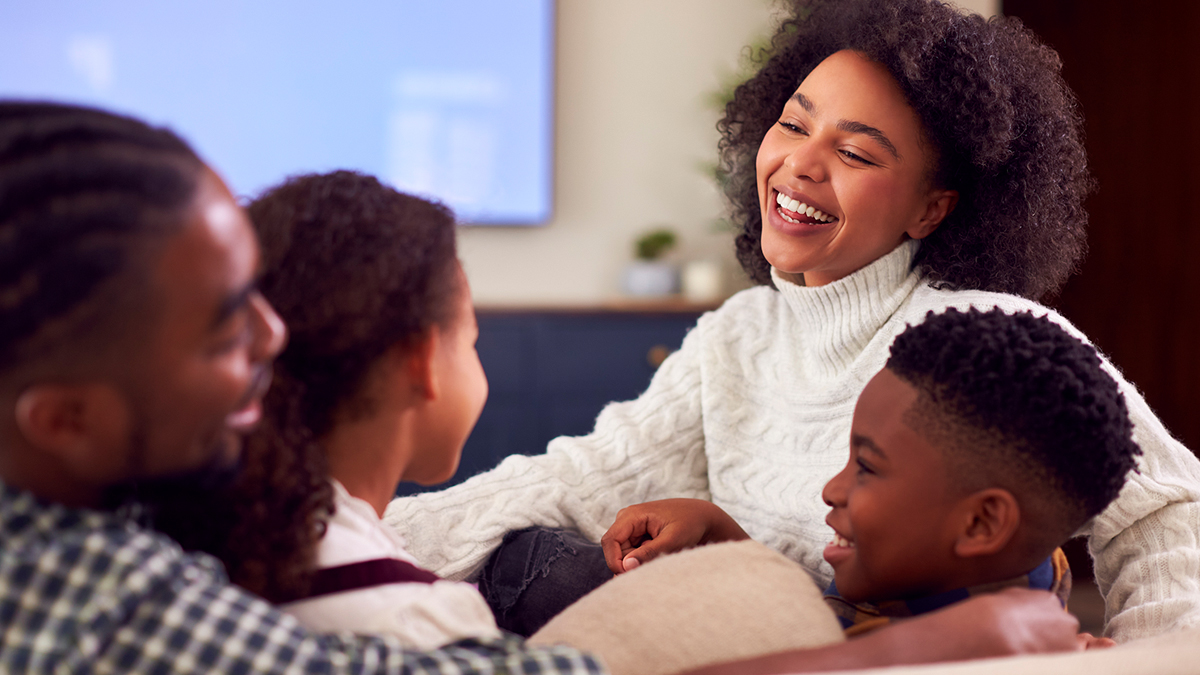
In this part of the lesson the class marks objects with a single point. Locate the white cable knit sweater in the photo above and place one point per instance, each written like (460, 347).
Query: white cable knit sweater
(753, 412)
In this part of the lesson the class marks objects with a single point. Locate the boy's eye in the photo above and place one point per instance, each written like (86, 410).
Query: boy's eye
(863, 468)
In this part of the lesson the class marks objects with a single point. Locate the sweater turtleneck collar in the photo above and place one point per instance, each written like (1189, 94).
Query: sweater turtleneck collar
(839, 319)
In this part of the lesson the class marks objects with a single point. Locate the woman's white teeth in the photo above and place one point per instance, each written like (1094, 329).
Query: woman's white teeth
(839, 540)
(801, 208)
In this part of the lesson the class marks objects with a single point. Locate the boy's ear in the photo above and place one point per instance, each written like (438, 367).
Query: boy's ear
(418, 360)
(72, 421)
(940, 204)
(990, 520)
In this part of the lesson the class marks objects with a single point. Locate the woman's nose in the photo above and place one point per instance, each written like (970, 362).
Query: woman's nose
(806, 161)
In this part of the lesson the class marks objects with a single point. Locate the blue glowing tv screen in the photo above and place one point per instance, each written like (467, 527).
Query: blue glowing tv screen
(451, 99)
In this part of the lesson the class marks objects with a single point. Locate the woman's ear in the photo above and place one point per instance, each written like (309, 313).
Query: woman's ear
(990, 520)
(939, 205)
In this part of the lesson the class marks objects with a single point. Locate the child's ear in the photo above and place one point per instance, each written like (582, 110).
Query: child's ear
(418, 360)
(990, 520)
(939, 205)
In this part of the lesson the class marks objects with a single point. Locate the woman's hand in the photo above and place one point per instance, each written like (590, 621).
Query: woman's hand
(644, 531)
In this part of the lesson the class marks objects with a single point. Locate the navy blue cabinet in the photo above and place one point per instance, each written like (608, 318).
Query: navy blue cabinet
(551, 372)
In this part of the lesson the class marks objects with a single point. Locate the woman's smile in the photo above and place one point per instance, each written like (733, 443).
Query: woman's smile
(796, 214)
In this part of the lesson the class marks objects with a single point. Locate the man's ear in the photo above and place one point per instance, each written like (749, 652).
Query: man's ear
(73, 421)
(418, 360)
(990, 521)
(939, 205)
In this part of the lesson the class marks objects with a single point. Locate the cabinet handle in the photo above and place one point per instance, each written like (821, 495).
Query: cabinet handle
(657, 354)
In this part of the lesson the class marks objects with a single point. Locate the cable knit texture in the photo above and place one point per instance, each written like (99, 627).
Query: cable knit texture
(753, 412)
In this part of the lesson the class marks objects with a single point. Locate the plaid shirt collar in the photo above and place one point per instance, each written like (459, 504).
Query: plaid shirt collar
(86, 591)
(1054, 575)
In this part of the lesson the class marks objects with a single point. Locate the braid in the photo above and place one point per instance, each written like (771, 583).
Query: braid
(79, 190)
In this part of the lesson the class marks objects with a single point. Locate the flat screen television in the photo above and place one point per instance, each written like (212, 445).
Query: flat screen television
(446, 98)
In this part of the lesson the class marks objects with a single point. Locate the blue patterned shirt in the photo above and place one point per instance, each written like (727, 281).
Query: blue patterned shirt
(85, 591)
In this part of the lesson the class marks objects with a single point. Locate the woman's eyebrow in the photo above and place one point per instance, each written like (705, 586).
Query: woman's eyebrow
(850, 126)
(881, 138)
(806, 103)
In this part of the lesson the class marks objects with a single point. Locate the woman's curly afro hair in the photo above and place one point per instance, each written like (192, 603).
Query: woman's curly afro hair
(1005, 130)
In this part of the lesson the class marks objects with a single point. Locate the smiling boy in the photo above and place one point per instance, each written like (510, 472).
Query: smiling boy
(985, 443)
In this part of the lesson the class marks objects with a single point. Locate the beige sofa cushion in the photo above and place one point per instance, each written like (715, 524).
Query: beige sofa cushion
(707, 605)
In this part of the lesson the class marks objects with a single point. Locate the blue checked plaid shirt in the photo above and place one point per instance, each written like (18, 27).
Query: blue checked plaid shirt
(84, 591)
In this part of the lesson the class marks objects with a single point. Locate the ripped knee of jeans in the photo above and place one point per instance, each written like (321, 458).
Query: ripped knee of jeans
(536, 572)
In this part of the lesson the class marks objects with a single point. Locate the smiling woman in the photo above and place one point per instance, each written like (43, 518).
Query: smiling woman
(891, 157)
(854, 168)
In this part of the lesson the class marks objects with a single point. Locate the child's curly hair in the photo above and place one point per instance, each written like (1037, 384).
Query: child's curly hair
(354, 268)
(1005, 130)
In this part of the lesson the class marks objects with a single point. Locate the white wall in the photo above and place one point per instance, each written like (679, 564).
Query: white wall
(634, 126)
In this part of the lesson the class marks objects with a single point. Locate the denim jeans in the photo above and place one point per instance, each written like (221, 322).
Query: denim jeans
(536, 572)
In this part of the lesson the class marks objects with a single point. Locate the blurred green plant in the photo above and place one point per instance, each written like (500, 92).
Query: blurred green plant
(653, 244)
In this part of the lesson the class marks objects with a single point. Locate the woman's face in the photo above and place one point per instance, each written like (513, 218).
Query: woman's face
(843, 175)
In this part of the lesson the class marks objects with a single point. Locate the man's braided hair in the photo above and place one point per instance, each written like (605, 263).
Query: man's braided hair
(80, 191)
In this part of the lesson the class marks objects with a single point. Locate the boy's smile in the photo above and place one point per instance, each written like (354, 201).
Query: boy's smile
(893, 505)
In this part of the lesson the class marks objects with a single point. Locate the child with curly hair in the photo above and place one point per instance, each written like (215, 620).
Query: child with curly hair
(891, 157)
(379, 383)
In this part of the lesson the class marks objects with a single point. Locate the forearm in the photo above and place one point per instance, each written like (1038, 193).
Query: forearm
(1149, 574)
(905, 643)
(1016, 621)
(642, 449)
(1146, 544)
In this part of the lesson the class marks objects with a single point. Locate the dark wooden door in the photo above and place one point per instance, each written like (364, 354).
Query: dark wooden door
(1135, 67)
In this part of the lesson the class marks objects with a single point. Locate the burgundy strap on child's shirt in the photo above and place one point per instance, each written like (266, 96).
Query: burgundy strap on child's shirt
(365, 574)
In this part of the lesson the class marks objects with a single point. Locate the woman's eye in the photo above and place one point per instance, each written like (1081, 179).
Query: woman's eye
(792, 127)
(855, 158)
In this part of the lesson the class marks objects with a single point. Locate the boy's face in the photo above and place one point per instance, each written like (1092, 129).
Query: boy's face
(892, 514)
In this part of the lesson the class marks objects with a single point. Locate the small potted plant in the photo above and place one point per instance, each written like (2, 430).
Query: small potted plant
(649, 275)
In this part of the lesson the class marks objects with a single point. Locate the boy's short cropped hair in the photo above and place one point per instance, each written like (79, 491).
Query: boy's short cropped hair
(1016, 402)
